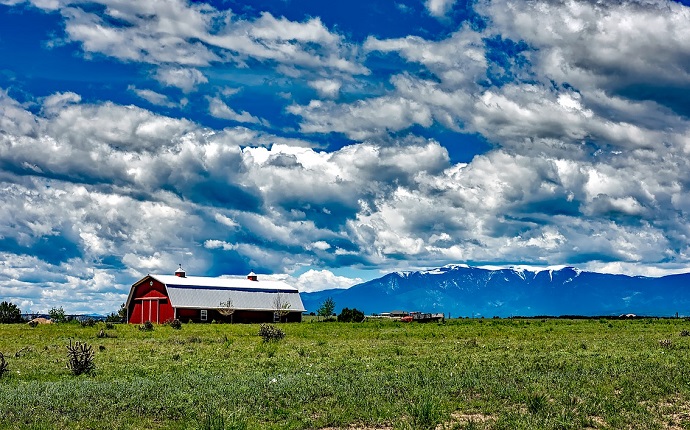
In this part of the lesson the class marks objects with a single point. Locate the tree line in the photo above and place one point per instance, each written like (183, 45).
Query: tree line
(327, 308)
(11, 314)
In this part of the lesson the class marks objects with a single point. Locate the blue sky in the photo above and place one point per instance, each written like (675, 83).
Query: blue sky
(329, 143)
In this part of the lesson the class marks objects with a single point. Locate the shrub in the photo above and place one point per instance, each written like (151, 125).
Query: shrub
(80, 358)
(685, 333)
(270, 333)
(176, 324)
(665, 343)
(351, 315)
(3, 365)
(89, 322)
(148, 326)
(24, 351)
(109, 325)
(10, 313)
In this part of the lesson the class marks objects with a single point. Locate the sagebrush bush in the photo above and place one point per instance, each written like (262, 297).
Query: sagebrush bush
(148, 326)
(80, 358)
(270, 333)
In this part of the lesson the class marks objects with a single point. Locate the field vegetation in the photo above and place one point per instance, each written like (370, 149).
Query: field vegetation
(468, 373)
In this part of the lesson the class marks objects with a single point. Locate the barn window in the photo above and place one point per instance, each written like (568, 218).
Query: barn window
(204, 315)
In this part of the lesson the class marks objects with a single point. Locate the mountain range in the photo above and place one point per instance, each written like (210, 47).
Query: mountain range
(461, 290)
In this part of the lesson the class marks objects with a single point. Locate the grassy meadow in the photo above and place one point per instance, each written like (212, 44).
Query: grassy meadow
(474, 374)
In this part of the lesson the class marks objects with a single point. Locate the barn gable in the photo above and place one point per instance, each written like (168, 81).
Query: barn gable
(148, 301)
(159, 298)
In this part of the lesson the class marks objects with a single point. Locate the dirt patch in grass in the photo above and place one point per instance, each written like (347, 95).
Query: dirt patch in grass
(598, 422)
(356, 427)
(675, 413)
(465, 418)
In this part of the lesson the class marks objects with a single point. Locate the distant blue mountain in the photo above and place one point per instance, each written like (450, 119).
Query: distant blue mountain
(471, 291)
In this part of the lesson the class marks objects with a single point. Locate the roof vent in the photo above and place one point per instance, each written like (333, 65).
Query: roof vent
(252, 276)
(180, 273)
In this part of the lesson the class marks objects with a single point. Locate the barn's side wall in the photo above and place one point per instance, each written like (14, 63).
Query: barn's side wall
(150, 303)
(239, 317)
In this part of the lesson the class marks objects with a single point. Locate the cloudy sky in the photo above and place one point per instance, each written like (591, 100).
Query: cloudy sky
(331, 142)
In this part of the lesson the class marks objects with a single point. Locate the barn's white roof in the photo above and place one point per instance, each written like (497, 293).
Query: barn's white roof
(205, 292)
(239, 283)
(181, 297)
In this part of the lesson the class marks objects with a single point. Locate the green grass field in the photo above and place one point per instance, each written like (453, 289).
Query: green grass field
(499, 374)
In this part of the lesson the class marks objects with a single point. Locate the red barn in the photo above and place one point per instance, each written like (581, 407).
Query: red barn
(161, 298)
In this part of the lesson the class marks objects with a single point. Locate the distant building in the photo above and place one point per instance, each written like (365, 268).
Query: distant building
(398, 314)
(160, 298)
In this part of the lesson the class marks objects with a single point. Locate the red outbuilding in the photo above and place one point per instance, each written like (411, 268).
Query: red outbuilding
(162, 298)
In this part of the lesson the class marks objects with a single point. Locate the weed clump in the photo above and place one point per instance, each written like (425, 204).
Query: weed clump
(176, 324)
(216, 421)
(147, 326)
(3, 365)
(685, 333)
(665, 343)
(80, 358)
(270, 333)
(102, 334)
(536, 403)
(424, 413)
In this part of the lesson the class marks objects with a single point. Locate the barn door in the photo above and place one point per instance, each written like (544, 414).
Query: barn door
(155, 311)
(150, 310)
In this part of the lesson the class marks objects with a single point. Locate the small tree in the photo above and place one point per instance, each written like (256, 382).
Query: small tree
(227, 309)
(122, 312)
(57, 315)
(281, 307)
(10, 313)
(327, 308)
(120, 316)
